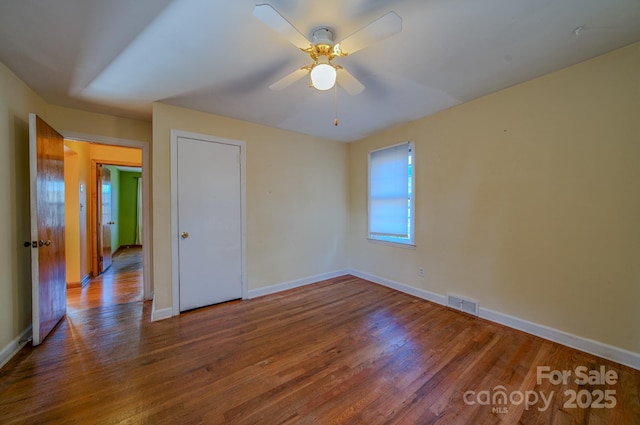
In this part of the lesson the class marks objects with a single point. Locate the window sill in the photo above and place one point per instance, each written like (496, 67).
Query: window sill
(396, 244)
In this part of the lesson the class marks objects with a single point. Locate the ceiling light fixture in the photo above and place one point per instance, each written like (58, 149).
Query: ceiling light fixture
(323, 74)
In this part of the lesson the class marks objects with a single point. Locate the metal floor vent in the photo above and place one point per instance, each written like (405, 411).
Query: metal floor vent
(465, 305)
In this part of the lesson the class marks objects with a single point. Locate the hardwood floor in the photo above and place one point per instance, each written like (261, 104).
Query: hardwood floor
(343, 351)
(121, 283)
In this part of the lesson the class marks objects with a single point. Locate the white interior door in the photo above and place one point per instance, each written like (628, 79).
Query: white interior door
(104, 218)
(210, 245)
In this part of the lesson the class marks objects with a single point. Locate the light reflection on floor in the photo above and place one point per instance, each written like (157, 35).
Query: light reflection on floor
(103, 307)
(120, 284)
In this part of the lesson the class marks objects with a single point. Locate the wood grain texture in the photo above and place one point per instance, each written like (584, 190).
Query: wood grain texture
(120, 284)
(342, 351)
(52, 284)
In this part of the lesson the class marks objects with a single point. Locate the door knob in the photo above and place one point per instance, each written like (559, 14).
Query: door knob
(111, 222)
(45, 243)
(184, 235)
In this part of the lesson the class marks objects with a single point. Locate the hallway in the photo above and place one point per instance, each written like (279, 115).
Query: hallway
(120, 284)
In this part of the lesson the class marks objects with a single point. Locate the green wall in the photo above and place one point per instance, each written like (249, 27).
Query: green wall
(128, 194)
(124, 189)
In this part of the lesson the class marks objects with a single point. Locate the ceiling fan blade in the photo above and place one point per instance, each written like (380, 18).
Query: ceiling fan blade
(377, 30)
(289, 79)
(349, 82)
(271, 18)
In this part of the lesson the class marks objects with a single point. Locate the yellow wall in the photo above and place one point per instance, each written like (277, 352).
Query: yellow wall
(74, 120)
(296, 199)
(72, 217)
(16, 102)
(527, 200)
(79, 263)
(105, 154)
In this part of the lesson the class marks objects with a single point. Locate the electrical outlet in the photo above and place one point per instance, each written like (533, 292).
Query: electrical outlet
(421, 271)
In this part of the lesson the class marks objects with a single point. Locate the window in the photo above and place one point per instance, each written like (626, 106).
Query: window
(391, 184)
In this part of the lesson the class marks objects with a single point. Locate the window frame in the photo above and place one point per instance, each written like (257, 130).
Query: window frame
(411, 206)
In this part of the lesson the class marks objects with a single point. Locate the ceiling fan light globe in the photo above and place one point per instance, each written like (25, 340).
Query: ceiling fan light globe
(323, 76)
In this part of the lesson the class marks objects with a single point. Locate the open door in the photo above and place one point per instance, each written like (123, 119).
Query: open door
(48, 273)
(104, 218)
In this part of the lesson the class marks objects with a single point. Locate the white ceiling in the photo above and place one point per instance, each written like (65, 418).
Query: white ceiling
(118, 56)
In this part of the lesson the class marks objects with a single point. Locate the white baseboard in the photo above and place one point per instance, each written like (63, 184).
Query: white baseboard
(161, 314)
(616, 354)
(14, 346)
(272, 289)
(597, 348)
(420, 293)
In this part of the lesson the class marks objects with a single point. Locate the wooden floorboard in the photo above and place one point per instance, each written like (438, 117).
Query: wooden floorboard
(120, 283)
(342, 351)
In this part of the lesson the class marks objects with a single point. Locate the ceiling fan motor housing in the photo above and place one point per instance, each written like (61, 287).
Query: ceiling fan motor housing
(323, 45)
(323, 36)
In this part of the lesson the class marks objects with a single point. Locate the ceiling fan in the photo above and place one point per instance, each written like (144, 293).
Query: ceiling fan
(322, 49)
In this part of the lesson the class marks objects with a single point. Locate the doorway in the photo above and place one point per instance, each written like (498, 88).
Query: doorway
(95, 281)
(117, 240)
(208, 220)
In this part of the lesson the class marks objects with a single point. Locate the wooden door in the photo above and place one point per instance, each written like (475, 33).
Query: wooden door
(209, 222)
(104, 218)
(48, 272)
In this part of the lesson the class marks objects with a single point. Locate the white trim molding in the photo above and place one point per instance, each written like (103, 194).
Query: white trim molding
(587, 345)
(279, 287)
(416, 292)
(144, 146)
(12, 348)
(609, 352)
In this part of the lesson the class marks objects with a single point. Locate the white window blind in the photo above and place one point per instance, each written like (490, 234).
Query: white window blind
(389, 193)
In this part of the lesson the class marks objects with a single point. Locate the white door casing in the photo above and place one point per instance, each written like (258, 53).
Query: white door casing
(146, 198)
(208, 220)
(104, 217)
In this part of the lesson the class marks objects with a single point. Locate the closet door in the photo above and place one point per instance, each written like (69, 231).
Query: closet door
(209, 187)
